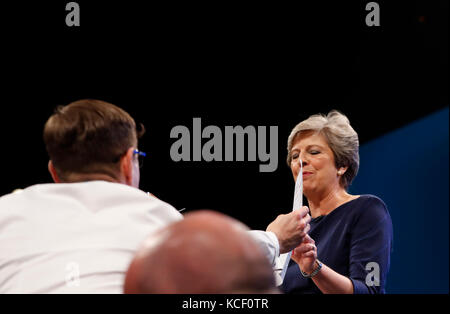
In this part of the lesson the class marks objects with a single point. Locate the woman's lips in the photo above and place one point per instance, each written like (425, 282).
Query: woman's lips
(306, 174)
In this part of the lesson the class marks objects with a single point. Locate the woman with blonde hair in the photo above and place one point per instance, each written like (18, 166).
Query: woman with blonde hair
(350, 240)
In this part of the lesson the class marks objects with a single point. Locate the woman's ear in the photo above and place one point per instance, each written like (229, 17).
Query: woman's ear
(342, 170)
(53, 172)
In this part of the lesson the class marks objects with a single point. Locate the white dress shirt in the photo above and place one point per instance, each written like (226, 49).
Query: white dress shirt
(81, 237)
(74, 237)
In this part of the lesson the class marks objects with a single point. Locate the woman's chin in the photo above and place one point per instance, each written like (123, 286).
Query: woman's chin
(307, 190)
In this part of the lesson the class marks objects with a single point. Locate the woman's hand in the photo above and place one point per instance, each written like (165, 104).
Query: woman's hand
(305, 255)
(291, 228)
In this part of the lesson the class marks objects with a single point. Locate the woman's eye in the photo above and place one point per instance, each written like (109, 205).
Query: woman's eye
(314, 152)
(295, 156)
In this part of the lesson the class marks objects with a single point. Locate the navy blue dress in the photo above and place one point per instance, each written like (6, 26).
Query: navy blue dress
(350, 240)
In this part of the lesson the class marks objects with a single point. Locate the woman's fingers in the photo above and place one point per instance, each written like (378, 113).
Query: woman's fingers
(305, 230)
(303, 248)
(308, 239)
(311, 253)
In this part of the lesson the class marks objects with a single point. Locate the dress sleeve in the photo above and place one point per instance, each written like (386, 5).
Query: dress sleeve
(370, 247)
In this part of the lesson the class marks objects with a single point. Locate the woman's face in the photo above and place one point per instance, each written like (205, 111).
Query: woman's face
(319, 170)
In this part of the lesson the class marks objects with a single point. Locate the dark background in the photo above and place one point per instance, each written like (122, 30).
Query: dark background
(229, 63)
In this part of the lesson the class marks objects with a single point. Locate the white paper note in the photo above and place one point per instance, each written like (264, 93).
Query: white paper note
(282, 262)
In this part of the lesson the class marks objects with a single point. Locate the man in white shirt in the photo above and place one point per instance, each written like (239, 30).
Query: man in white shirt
(79, 236)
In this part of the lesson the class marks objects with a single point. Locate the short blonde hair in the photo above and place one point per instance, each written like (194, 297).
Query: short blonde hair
(340, 136)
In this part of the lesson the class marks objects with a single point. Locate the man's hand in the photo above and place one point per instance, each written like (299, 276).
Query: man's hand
(290, 229)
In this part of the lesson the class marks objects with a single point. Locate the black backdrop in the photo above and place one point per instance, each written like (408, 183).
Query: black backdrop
(228, 63)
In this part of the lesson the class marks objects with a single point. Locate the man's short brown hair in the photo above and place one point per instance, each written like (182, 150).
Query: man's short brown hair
(89, 136)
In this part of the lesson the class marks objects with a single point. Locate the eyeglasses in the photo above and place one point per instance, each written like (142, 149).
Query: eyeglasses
(141, 156)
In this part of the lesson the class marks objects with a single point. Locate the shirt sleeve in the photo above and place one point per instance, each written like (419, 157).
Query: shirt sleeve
(370, 247)
(268, 242)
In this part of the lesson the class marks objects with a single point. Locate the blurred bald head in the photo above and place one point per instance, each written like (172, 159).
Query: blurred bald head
(207, 252)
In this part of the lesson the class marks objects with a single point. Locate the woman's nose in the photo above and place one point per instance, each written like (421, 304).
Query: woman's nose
(300, 163)
(303, 160)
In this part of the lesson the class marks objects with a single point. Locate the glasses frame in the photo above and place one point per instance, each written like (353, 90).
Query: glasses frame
(141, 156)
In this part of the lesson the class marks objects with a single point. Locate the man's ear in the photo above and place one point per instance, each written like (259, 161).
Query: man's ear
(53, 173)
(126, 166)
